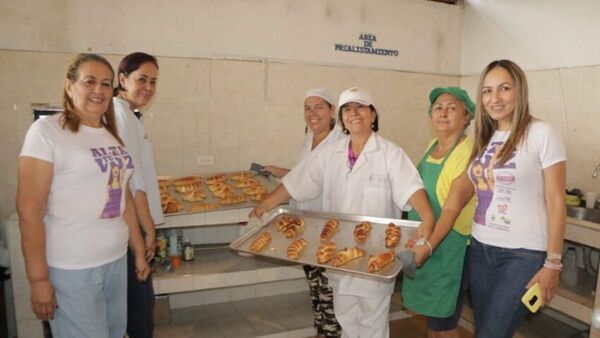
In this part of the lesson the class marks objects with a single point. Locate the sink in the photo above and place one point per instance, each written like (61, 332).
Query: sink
(584, 214)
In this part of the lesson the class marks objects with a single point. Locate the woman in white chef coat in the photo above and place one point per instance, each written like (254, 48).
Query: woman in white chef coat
(363, 174)
(321, 129)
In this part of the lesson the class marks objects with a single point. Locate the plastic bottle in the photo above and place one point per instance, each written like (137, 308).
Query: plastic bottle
(188, 250)
(569, 271)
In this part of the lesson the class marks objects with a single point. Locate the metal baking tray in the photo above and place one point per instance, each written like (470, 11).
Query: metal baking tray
(314, 222)
(269, 182)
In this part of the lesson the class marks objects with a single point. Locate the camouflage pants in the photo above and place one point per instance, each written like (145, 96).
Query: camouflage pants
(321, 296)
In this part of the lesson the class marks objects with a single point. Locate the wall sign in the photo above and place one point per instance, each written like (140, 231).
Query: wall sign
(368, 40)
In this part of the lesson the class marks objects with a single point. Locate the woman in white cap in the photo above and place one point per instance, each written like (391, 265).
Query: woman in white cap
(319, 115)
(363, 174)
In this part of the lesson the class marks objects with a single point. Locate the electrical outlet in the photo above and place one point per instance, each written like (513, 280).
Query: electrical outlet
(204, 160)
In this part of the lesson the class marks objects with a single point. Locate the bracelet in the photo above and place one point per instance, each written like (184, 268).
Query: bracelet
(553, 256)
(430, 249)
(553, 266)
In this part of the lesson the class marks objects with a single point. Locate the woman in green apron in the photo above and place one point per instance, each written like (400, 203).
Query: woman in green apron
(436, 289)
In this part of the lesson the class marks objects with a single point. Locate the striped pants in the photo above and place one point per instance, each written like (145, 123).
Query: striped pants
(321, 296)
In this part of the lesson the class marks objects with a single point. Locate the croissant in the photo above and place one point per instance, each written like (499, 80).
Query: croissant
(170, 204)
(290, 226)
(188, 187)
(295, 249)
(254, 189)
(233, 199)
(247, 183)
(216, 179)
(393, 234)
(361, 231)
(194, 196)
(330, 228)
(325, 252)
(186, 180)
(260, 242)
(204, 207)
(377, 262)
(257, 197)
(344, 256)
(242, 176)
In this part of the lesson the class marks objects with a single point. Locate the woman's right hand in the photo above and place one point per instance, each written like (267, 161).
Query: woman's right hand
(43, 301)
(258, 211)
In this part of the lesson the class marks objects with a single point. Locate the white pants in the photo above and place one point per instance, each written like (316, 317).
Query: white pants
(363, 317)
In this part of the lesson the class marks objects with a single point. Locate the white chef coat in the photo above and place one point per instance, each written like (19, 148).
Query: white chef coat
(132, 132)
(334, 135)
(382, 180)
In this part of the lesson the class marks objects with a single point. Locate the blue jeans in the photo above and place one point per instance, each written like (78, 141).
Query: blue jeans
(140, 302)
(497, 278)
(90, 302)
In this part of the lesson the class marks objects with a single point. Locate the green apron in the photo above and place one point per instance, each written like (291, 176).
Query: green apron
(434, 290)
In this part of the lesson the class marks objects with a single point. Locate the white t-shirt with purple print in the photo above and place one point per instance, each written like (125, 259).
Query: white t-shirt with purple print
(511, 207)
(83, 221)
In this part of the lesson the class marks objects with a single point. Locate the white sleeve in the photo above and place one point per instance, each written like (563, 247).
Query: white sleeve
(134, 143)
(39, 141)
(305, 181)
(550, 146)
(405, 179)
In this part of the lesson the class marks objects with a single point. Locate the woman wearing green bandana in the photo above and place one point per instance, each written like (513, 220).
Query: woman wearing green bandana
(436, 289)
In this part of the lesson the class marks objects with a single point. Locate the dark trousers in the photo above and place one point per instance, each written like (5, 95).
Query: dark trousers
(140, 303)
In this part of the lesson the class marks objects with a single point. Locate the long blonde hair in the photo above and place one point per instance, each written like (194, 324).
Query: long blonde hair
(70, 119)
(485, 126)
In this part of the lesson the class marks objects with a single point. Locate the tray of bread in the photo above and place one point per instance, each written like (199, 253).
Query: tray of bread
(211, 192)
(362, 245)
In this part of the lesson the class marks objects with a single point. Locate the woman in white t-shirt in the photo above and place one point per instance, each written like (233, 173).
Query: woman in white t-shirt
(75, 210)
(138, 75)
(518, 173)
(321, 129)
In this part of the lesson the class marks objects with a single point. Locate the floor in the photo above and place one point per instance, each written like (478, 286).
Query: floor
(290, 316)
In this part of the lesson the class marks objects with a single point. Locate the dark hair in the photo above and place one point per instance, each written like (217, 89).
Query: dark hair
(374, 126)
(70, 119)
(485, 126)
(130, 64)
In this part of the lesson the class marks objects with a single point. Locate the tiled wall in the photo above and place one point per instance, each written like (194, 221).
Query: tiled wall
(244, 111)
(236, 111)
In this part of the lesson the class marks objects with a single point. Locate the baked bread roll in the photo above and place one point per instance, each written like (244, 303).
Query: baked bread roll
(233, 199)
(170, 204)
(290, 226)
(258, 197)
(261, 242)
(377, 262)
(325, 252)
(361, 232)
(393, 234)
(242, 176)
(216, 179)
(296, 248)
(187, 188)
(249, 182)
(163, 189)
(254, 189)
(348, 254)
(194, 196)
(330, 228)
(202, 207)
(187, 180)
(221, 190)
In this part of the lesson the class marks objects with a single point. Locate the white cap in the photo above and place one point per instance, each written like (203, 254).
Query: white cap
(355, 94)
(321, 92)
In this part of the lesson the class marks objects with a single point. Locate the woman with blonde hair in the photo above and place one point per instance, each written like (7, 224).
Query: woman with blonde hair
(519, 225)
(74, 252)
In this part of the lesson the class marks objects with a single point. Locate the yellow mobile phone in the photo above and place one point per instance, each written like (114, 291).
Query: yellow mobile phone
(533, 298)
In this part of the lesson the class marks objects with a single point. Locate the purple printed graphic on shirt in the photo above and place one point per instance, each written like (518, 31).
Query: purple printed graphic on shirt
(116, 161)
(481, 173)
